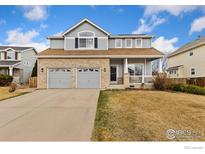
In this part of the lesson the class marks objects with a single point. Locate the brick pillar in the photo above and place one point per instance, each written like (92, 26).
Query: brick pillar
(73, 78)
(126, 80)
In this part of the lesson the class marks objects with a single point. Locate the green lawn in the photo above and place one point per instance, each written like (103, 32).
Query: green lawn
(137, 115)
(5, 94)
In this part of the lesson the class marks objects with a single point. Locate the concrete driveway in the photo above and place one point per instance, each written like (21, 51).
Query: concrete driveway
(49, 115)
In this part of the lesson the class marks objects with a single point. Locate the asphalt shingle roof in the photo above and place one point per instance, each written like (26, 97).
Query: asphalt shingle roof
(189, 46)
(14, 47)
(123, 51)
(8, 63)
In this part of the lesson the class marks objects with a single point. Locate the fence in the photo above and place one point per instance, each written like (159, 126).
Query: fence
(200, 81)
(33, 82)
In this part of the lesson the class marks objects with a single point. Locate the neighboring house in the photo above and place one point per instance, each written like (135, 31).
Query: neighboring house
(188, 61)
(87, 56)
(17, 62)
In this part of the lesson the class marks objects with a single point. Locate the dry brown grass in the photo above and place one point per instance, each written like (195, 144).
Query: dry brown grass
(136, 115)
(5, 94)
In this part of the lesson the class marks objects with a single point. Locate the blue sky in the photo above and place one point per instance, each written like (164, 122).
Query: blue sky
(172, 26)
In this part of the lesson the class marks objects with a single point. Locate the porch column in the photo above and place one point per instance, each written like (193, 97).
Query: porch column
(125, 66)
(11, 71)
(144, 71)
(125, 74)
(160, 66)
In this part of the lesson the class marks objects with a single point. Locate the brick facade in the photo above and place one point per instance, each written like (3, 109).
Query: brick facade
(45, 64)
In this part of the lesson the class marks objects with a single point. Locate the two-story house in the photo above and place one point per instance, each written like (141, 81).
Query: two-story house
(17, 62)
(188, 61)
(87, 56)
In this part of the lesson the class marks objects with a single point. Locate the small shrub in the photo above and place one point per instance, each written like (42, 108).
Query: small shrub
(187, 88)
(5, 80)
(13, 87)
(160, 82)
(194, 89)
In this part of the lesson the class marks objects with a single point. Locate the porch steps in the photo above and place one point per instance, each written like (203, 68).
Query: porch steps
(119, 86)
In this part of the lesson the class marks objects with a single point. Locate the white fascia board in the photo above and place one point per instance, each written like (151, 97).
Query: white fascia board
(100, 56)
(84, 20)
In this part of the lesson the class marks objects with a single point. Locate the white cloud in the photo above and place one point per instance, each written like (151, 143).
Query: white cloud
(197, 25)
(58, 34)
(19, 38)
(165, 45)
(35, 13)
(172, 9)
(43, 26)
(148, 24)
(2, 21)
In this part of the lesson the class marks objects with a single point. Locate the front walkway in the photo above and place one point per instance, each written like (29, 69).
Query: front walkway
(49, 115)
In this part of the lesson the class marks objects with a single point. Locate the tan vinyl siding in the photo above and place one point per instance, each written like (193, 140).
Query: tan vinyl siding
(196, 61)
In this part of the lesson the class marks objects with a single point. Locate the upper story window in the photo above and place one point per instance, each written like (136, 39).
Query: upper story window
(118, 43)
(138, 43)
(192, 71)
(191, 53)
(10, 55)
(86, 40)
(128, 43)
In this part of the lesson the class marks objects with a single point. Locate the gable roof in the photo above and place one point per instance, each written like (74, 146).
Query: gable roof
(196, 43)
(83, 21)
(14, 47)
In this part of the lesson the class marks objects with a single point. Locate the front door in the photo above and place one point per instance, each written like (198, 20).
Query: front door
(113, 73)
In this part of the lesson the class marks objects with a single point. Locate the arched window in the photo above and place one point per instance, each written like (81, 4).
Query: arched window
(86, 39)
(10, 54)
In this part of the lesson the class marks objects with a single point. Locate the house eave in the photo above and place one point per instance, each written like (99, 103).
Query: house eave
(82, 21)
(99, 56)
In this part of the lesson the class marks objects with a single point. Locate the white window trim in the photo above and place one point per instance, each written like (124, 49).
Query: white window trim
(13, 52)
(126, 43)
(143, 71)
(116, 43)
(117, 75)
(86, 31)
(136, 43)
(91, 37)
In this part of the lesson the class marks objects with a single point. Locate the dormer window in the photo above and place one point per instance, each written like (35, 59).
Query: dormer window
(86, 40)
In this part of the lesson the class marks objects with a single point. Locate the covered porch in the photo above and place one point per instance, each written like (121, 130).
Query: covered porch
(13, 69)
(132, 72)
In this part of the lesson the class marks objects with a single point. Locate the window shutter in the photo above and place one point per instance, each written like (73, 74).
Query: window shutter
(5, 55)
(76, 42)
(16, 55)
(96, 42)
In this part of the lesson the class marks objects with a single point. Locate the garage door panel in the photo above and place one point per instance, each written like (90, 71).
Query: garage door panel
(88, 78)
(59, 78)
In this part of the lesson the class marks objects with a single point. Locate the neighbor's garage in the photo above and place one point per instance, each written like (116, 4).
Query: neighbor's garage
(59, 78)
(88, 78)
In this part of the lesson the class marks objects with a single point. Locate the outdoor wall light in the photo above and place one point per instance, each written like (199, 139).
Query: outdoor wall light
(104, 69)
(42, 69)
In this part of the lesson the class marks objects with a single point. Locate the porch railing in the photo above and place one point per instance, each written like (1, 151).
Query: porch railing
(139, 79)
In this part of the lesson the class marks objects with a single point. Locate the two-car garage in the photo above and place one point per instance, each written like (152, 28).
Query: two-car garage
(85, 78)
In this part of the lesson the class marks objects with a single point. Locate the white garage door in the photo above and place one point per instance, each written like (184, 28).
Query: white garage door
(59, 78)
(88, 78)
